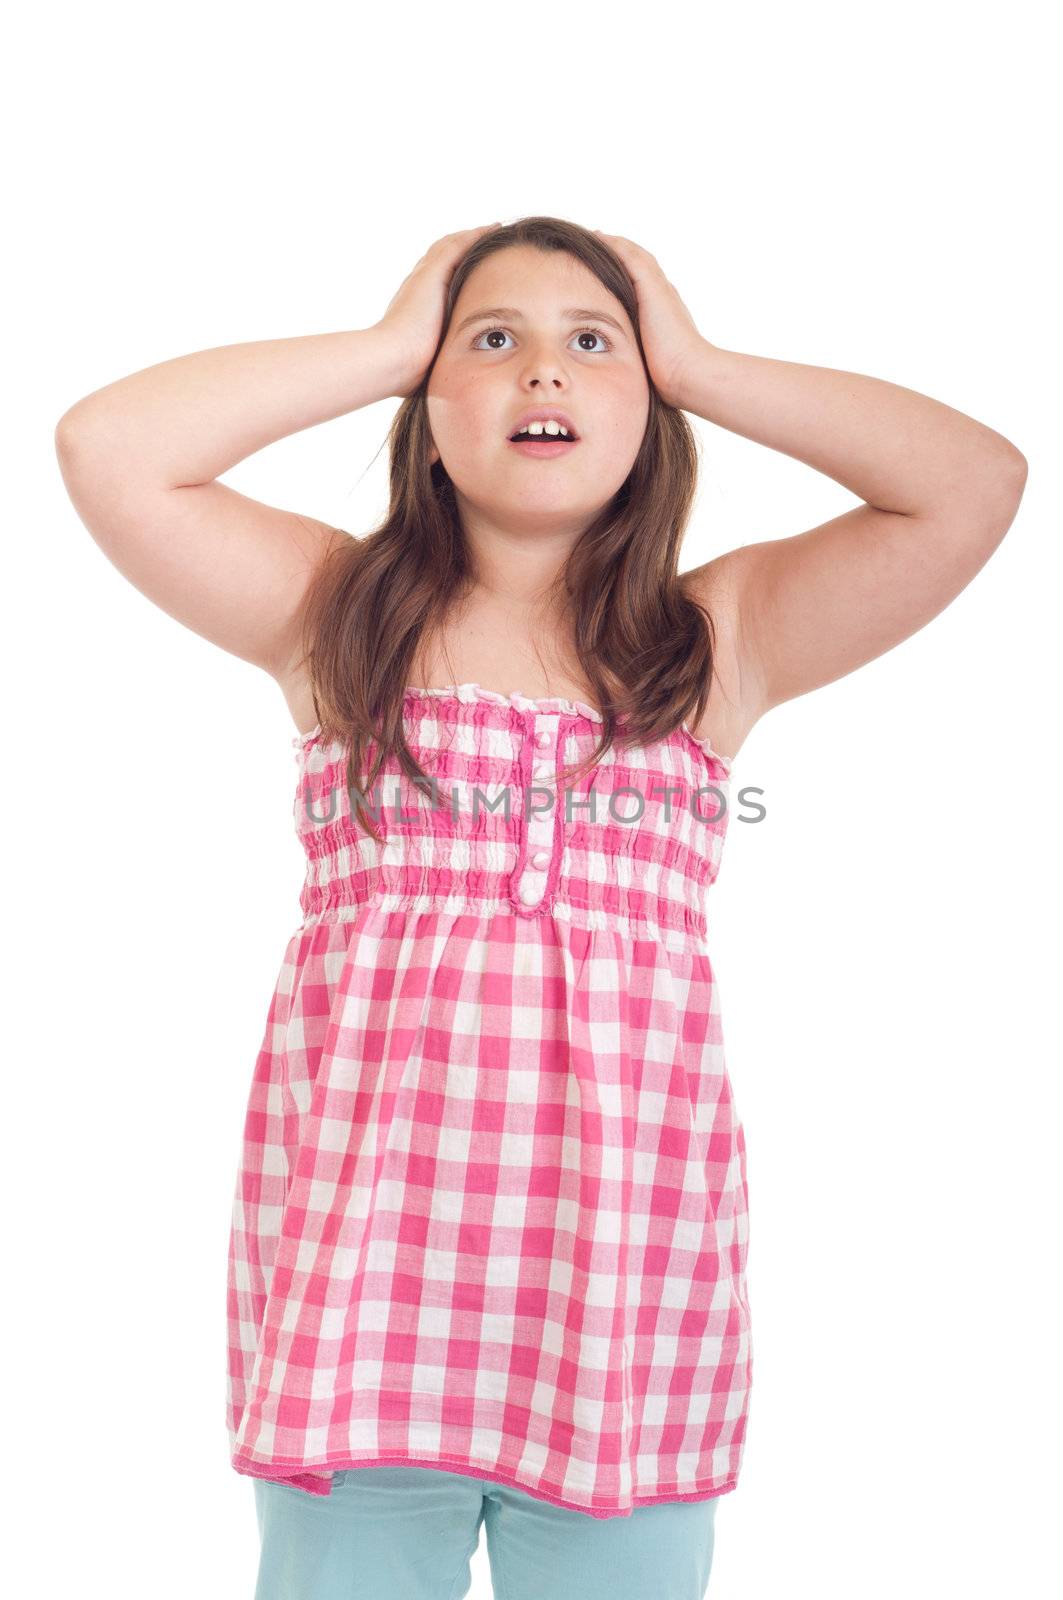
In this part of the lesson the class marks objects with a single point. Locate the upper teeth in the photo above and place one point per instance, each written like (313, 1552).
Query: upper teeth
(543, 427)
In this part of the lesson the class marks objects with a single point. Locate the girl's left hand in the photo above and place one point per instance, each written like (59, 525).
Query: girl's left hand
(670, 338)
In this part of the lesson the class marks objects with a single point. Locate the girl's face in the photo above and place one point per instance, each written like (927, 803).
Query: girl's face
(546, 348)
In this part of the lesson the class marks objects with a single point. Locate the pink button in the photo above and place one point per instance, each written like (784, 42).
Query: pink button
(542, 770)
(529, 894)
(541, 859)
(542, 738)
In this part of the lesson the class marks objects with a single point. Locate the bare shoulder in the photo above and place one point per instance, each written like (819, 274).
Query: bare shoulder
(733, 705)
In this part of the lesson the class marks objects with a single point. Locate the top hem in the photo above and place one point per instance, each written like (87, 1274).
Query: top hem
(314, 1483)
(552, 705)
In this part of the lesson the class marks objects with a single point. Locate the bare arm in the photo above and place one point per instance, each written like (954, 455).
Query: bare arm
(940, 491)
(139, 458)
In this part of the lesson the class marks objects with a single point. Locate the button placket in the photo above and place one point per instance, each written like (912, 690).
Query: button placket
(540, 824)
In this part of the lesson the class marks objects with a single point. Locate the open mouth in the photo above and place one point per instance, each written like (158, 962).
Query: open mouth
(542, 443)
(566, 438)
(549, 429)
(541, 438)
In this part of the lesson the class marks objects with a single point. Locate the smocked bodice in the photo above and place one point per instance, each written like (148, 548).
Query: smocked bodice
(632, 845)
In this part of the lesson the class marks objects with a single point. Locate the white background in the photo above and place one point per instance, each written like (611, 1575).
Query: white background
(869, 188)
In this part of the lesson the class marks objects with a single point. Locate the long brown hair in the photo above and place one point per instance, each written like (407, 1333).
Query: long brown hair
(643, 644)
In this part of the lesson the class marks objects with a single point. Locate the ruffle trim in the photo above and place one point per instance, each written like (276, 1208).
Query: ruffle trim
(522, 702)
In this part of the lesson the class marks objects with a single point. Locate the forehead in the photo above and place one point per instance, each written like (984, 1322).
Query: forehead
(524, 284)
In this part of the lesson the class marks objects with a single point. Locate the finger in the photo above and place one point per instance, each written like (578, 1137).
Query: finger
(617, 240)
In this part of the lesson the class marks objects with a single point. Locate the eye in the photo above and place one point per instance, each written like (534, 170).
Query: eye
(579, 333)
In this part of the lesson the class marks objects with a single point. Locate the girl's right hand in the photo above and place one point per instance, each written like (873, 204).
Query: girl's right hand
(414, 318)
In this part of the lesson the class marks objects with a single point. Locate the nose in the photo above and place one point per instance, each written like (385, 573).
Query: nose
(551, 379)
(545, 367)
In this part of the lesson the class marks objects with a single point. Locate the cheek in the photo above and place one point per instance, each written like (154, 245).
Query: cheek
(623, 440)
(458, 425)
(624, 418)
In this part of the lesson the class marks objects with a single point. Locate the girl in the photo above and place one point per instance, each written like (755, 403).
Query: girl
(489, 1235)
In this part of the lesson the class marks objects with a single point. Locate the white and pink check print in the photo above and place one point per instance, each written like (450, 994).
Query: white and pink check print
(491, 1209)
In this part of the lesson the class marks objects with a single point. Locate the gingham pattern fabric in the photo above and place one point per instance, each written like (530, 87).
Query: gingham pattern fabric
(491, 1209)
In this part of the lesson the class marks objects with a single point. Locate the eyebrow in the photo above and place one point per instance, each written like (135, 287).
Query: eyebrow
(574, 314)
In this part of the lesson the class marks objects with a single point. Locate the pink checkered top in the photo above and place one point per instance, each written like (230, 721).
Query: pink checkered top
(491, 1208)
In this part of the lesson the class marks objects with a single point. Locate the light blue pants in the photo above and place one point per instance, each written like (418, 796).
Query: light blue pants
(408, 1533)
